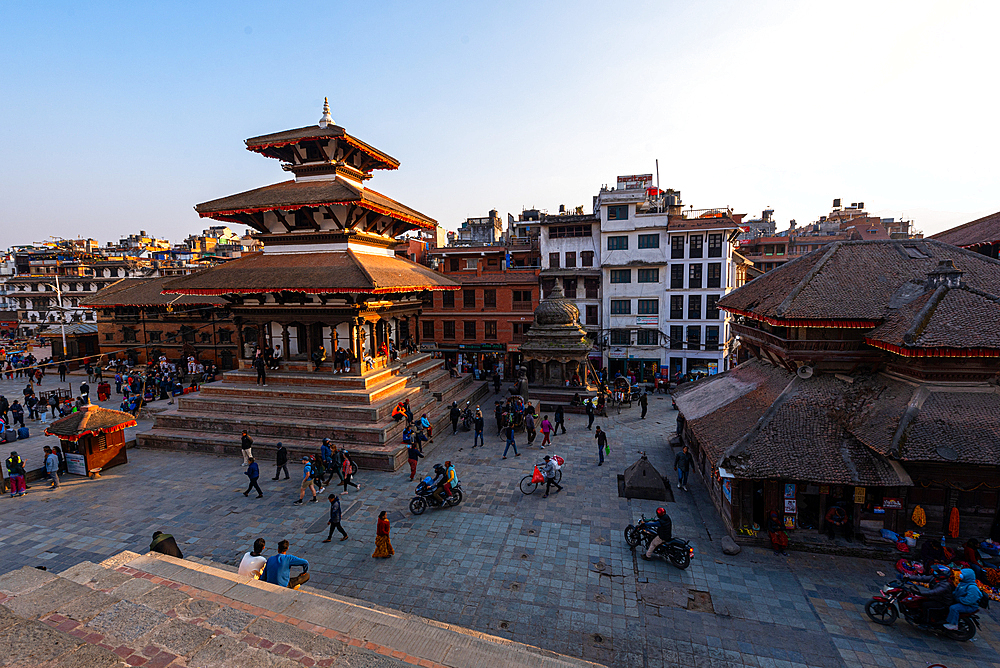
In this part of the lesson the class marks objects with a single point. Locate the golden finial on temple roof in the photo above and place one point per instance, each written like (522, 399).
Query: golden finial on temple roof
(326, 119)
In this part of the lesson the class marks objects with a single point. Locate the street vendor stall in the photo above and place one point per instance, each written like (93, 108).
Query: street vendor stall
(92, 439)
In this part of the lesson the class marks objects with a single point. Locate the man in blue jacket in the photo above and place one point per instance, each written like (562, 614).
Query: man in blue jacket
(253, 472)
(967, 596)
(279, 568)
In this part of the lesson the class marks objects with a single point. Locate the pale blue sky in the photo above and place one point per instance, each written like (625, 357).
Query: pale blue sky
(122, 116)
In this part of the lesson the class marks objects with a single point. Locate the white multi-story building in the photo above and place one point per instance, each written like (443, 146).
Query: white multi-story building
(663, 272)
(570, 249)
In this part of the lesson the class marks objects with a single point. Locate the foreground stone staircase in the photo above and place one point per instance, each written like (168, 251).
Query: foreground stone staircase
(158, 612)
(300, 407)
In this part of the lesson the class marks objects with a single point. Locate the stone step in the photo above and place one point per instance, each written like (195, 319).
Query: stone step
(382, 390)
(207, 616)
(300, 373)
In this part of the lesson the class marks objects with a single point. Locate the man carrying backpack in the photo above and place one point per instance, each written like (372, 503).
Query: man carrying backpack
(307, 482)
(15, 475)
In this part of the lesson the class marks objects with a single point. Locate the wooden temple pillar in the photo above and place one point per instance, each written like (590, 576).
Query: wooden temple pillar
(284, 342)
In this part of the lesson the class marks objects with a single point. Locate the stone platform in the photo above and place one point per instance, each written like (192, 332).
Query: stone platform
(300, 408)
(159, 612)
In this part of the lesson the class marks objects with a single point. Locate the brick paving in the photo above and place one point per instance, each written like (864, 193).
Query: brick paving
(550, 572)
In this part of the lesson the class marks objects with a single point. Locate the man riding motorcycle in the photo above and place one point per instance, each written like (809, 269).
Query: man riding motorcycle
(439, 483)
(939, 595)
(664, 532)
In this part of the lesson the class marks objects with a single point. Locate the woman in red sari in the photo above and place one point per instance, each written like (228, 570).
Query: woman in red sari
(383, 548)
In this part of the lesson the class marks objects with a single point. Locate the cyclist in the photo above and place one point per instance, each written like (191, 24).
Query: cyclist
(548, 469)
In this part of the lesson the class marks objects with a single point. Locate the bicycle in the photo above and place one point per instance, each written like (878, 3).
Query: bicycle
(527, 486)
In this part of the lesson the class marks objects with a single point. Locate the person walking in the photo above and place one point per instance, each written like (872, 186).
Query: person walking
(413, 454)
(590, 414)
(560, 420)
(682, 464)
(425, 424)
(281, 462)
(16, 414)
(546, 427)
(510, 442)
(52, 467)
(326, 454)
(347, 472)
(602, 445)
(278, 569)
(245, 444)
(31, 401)
(498, 412)
(261, 366)
(383, 548)
(307, 482)
(477, 423)
(496, 382)
(549, 471)
(334, 520)
(253, 562)
(15, 475)
(644, 404)
(63, 369)
(253, 472)
(63, 470)
(454, 414)
(529, 426)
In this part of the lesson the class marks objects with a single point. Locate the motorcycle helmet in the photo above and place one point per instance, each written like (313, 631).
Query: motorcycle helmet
(661, 512)
(940, 572)
(428, 480)
(438, 468)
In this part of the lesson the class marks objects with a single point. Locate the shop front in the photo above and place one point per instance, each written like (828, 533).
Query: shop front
(480, 359)
(93, 438)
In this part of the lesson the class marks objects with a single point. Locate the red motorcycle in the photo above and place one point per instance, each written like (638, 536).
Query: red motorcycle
(905, 598)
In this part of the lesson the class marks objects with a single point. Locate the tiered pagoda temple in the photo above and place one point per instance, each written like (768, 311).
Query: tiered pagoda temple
(327, 277)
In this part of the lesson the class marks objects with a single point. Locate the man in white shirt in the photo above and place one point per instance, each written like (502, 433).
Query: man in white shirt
(253, 562)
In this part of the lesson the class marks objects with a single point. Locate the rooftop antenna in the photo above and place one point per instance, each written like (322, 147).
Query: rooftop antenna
(327, 119)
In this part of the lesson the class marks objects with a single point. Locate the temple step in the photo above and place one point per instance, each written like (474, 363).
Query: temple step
(291, 389)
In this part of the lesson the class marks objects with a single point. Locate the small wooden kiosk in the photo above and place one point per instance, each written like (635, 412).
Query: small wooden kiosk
(92, 439)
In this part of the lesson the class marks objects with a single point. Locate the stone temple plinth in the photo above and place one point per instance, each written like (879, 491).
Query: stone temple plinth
(556, 348)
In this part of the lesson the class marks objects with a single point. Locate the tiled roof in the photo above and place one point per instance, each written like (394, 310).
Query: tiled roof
(953, 318)
(854, 280)
(144, 292)
(983, 230)
(55, 330)
(285, 137)
(90, 420)
(963, 427)
(312, 273)
(290, 195)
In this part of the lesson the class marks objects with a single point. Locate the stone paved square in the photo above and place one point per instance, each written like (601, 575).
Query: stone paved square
(552, 572)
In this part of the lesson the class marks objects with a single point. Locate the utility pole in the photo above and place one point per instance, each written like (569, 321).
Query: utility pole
(62, 315)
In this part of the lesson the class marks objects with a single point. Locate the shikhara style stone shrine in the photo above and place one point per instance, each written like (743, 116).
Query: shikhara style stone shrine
(327, 277)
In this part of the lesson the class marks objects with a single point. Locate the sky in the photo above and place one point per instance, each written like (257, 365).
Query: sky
(120, 117)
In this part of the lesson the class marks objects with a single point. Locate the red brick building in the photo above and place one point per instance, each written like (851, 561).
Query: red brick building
(483, 324)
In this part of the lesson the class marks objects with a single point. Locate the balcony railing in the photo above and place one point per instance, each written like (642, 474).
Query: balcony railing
(522, 306)
(518, 338)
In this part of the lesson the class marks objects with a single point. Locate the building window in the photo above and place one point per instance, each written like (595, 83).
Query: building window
(677, 276)
(469, 298)
(153, 335)
(491, 262)
(587, 258)
(714, 245)
(621, 337)
(591, 314)
(712, 307)
(646, 337)
(490, 298)
(619, 212)
(453, 264)
(564, 231)
(88, 316)
(694, 337)
(694, 307)
(472, 264)
(712, 338)
(571, 260)
(225, 336)
(553, 260)
(592, 286)
(469, 328)
(621, 275)
(522, 295)
(676, 307)
(617, 243)
(130, 335)
(206, 337)
(714, 279)
(696, 249)
(649, 307)
(677, 248)
(694, 275)
(649, 241)
(109, 336)
(490, 330)
(427, 298)
(649, 275)
(448, 299)
(621, 306)
(676, 337)
(449, 329)
(569, 287)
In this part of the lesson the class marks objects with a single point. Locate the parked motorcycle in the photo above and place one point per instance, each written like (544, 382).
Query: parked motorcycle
(677, 551)
(424, 498)
(901, 597)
